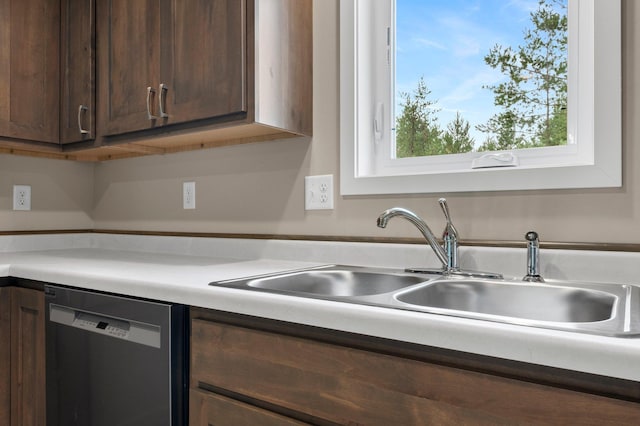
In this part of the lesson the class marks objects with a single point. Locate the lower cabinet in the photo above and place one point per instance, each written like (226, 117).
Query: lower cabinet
(238, 372)
(208, 408)
(22, 357)
(5, 356)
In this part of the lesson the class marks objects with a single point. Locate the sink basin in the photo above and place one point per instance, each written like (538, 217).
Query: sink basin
(336, 282)
(530, 302)
(603, 309)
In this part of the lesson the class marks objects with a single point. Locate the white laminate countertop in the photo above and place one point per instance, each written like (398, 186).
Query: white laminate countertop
(158, 269)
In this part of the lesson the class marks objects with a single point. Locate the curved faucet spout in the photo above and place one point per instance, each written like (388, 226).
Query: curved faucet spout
(383, 219)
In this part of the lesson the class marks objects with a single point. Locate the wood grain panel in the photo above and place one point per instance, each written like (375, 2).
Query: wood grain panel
(204, 62)
(30, 74)
(285, 65)
(350, 386)
(5, 355)
(202, 51)
(78, 69)
(128, 50)
(27, 358)
(5, 63)
(207, 408)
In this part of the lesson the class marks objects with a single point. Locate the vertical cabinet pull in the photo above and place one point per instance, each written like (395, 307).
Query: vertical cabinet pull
(150, 91)
(162, 100)
(82, 109)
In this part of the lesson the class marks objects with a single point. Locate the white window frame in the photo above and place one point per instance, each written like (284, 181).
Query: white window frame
(592, 159)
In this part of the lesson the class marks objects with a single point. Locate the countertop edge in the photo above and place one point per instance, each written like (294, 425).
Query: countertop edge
(606, 356)
(184, 279)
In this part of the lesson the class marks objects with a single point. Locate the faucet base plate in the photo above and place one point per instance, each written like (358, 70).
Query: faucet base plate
(457, 273)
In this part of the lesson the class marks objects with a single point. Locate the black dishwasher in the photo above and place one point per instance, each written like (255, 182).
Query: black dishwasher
(114, 361)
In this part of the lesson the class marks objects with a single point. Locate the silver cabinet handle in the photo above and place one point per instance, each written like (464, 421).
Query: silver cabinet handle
(162, 100)
(82, 109)
(150, 115)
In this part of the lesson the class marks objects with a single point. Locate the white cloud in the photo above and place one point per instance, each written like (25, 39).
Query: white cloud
(466, 37)
(523, 5)
(469, 88)
(429, 43)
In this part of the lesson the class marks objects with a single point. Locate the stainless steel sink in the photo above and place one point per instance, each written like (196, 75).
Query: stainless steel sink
(604, 309)
(517, 300)
(336, 282)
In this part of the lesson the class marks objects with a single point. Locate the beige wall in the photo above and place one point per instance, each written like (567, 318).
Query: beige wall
(258, 188)
(61, 194)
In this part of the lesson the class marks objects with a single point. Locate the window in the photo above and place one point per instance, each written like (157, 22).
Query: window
(591, 158)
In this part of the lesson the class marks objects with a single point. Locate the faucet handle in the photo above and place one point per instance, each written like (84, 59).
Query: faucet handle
(445, 209)
(450, 238)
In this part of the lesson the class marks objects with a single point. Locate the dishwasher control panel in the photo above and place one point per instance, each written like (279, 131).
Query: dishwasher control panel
(133, 331)
(104, 325)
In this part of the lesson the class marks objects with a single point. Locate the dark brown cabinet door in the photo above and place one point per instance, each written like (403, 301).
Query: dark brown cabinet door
(5, 355)
(329, 383)
(77, 44)
(128, 64)
(29, 69)
(27, 357)
(170, 61)
(203, 59)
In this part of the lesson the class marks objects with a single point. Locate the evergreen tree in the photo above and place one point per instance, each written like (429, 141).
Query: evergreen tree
(490, 144)
(534, 97)
(417, 129)
(502, 132)
(456, 138)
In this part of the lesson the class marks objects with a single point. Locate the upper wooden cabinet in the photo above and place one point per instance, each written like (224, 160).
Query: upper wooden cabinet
(243, 67)
(77, 53)
(164, 62)
(47, 67)
(203, 71)
(117, 78)
(29, 70)
(128, 42)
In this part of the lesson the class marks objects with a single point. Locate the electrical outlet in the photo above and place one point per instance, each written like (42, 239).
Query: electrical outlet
(189, 195)
(318, 192)
(21, 197)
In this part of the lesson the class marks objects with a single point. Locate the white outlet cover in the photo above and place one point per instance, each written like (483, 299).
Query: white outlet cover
(318, 192)
(22, 197)
(189, 195)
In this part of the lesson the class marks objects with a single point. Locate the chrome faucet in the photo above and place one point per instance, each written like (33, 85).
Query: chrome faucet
(447, 254)
(422, 226)
(533, 258)
(449, 238)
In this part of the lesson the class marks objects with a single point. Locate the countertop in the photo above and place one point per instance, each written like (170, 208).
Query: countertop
(185, 279)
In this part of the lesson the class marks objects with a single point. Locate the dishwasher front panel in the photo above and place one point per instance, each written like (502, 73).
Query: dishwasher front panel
(114, 361)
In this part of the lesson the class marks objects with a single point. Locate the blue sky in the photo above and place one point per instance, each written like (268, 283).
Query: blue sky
(446, 41)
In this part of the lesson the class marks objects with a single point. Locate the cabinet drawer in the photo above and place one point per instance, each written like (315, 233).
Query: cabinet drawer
(350, 386)
(206, 408)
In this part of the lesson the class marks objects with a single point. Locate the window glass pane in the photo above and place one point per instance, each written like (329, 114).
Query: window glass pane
(475, 75)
